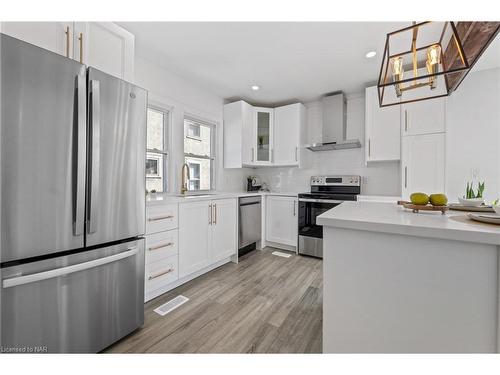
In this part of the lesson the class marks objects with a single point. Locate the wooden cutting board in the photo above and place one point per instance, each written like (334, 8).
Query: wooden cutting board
(420, 207)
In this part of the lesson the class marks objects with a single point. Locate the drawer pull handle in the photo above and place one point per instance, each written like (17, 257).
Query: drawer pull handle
(161, 246)
(151, 277)
(161, 217)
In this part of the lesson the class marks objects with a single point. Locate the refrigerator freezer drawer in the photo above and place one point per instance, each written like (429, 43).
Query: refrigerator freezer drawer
(162, 218)
(161, 245)
(79, 303)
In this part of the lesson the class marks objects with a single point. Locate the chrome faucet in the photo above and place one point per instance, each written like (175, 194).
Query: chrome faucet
(184, 178)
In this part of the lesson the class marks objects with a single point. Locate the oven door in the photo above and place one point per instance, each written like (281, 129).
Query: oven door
(311, 234)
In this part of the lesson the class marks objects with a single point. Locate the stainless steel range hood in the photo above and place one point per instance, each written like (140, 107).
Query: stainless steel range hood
(334, 125)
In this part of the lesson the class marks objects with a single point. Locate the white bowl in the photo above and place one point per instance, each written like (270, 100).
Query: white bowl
(473, 202)
(497, 209)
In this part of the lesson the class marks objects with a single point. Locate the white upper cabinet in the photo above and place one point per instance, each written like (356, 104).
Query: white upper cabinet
(238, 134)
(54, 36)
(382, 129)
(257, 136)
(263, 143)
(423, 117)
(281, 220)
(288, 122)
(423, 164)
(103, 45)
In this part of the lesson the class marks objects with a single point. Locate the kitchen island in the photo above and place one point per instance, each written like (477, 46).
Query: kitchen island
(400, 282)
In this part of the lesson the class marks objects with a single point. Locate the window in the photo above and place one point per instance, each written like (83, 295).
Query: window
(193, 131)
(152, 166)
(199, 151)
(157, 153)
(194, 174)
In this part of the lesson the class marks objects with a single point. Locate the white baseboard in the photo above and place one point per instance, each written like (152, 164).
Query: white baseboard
(281, 246)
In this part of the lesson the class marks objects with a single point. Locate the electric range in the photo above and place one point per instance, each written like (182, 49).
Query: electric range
(326, 193)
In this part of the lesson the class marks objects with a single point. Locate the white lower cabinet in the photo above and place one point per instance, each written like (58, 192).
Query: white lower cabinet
(162, 245)
(423, 164)
(281, 220)
(224, 230)
(207, 234)
(184, 240)
(160, 274)
(162, 249)
(194, 234)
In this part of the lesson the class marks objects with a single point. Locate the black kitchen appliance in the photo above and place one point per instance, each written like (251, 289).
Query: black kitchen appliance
(254, 183)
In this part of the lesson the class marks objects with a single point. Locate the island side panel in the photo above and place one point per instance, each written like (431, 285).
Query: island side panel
(388, 293)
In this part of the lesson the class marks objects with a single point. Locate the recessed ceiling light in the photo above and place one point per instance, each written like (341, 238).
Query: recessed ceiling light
(255, 87)
(370, 54)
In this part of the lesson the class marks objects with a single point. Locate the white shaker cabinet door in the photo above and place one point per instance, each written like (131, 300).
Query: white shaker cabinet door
(423, 117)
(224, 229)
(53, 36)
(194, 236)
(423, 164)
(382, 129)
(281, 220)
(105, 46)
(287, 127)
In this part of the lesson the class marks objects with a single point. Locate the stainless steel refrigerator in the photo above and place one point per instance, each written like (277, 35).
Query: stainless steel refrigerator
(73, 146)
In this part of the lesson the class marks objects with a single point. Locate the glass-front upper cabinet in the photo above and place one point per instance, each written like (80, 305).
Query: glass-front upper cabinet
(263, 124)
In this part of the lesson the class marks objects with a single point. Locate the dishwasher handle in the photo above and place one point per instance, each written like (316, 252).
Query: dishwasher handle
(249, 204)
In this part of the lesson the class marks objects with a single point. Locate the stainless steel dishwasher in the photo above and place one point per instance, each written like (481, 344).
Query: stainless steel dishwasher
(250, 218)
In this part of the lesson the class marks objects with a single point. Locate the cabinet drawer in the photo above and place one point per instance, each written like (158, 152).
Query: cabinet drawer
(161, 273)
(161, 245)
(162, 218)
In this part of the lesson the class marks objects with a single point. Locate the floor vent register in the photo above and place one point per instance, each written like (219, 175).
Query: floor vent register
(171, 305)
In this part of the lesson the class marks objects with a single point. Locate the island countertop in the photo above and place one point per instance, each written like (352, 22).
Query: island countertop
(391, 218)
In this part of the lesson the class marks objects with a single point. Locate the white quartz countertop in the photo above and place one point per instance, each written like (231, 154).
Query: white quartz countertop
(391, 218)
(378, 198)
(162, 198)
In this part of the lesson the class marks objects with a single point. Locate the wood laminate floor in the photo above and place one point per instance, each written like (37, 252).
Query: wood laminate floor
(263, 304)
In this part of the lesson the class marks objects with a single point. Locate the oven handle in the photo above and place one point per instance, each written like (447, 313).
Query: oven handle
(319, 200)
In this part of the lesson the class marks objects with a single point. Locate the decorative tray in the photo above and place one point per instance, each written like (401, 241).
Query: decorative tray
(422, 207)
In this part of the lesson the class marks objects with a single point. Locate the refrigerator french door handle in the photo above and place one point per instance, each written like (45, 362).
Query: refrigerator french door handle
(63, 271)
(95, 116)
(80, 155)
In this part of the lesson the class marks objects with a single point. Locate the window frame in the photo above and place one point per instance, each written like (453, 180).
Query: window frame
(165, 152)
(213, 151)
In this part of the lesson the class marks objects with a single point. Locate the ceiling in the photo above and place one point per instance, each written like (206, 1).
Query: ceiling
(289, 60)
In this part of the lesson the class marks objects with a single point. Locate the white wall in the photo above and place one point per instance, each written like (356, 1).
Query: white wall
(378, 179)
(183, 97)
(473, 134)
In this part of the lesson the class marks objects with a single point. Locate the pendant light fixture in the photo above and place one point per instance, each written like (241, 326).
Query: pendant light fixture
(430, 59)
